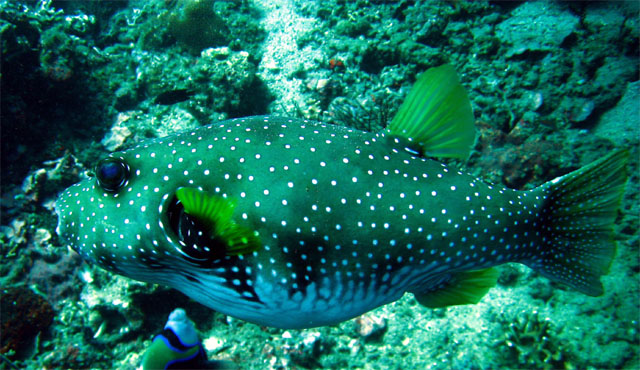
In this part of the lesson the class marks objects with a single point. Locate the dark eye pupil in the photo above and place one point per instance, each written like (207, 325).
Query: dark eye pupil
(112, 174)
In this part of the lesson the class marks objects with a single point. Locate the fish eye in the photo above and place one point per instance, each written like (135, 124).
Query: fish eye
(112, 173)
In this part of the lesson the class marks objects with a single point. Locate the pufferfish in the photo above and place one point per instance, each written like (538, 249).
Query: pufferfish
(295, 224)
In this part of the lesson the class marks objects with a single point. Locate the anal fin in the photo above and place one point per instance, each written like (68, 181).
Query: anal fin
(466, 287)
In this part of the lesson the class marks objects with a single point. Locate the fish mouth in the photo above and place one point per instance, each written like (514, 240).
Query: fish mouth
(193, 237)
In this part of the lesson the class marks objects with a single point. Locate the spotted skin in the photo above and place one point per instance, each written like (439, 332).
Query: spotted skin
(348, 220)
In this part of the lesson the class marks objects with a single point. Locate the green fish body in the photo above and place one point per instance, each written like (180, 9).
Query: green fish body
(295, 224)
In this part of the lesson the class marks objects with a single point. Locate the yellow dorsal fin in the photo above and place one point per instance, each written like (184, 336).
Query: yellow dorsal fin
(436, 116)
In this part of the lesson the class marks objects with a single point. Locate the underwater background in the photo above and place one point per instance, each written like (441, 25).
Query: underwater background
(553, 86)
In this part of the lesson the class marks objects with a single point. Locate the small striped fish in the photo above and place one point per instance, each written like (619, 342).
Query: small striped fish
(296, 224)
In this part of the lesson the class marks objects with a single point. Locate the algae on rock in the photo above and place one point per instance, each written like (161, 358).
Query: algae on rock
(196, 26)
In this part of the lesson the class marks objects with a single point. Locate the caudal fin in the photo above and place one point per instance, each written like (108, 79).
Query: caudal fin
(577, 223)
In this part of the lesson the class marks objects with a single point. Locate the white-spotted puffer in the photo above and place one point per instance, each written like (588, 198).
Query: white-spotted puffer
(295, 224)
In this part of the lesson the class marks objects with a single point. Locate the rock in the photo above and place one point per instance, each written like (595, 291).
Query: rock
(536, 26)
(614, 70)
(118, 134)
(175, 120)
(620, 124)
(125, 97)
(371, 327)
(15, 232)
(41, 236)
(24, 315)
(603, 21)
(220, 53)
(306, 348)
(582, 110)
(613, 355)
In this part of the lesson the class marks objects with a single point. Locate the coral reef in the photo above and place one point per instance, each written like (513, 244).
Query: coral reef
(56, 280)
(531, 343)
(46, 57)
